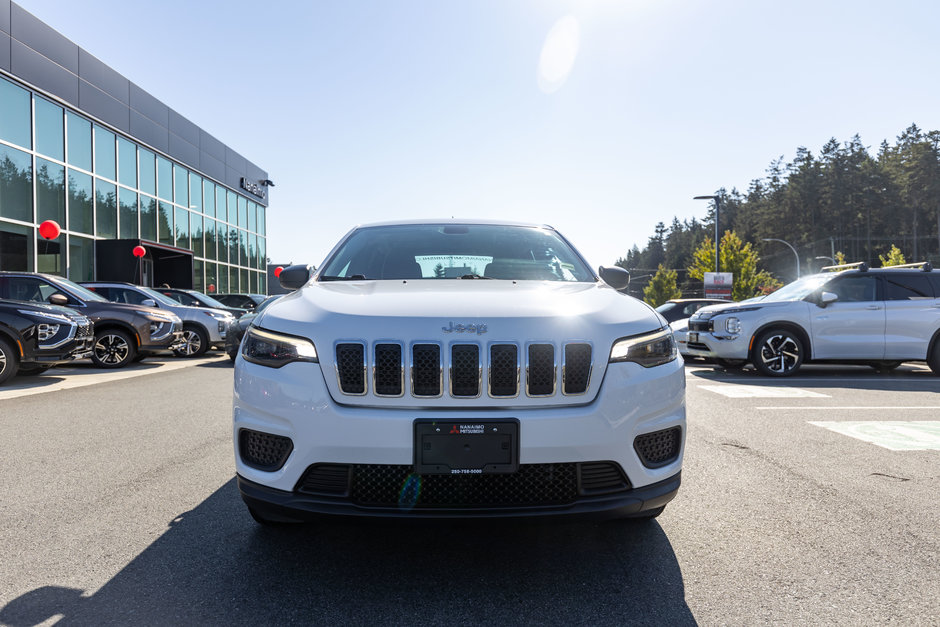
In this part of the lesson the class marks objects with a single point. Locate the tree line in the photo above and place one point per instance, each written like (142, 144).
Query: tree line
(844, 202)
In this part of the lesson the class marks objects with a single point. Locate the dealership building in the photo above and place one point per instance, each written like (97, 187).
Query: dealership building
(116, 169)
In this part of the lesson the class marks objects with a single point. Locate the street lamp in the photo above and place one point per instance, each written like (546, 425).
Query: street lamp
(771, 239)
(717, 213)
(833, 261)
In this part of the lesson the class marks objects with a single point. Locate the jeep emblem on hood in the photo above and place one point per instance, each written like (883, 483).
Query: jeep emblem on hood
(479, 329)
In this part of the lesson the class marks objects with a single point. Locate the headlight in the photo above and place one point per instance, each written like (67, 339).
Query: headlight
(733, 325)
(275, 350)
(648, 350)
(46, 332)
(218, 316)
(159, 317)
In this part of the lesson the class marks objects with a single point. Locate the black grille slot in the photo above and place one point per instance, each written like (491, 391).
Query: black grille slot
(465, 370)
(263, 451)
(426, 370)
(659, 447)
(388, 369)
(540, 377)
(577, 368)
(350, 365)
(398, 486)
(504, 370)
(329, 479)
(602, 477)
(705, 325)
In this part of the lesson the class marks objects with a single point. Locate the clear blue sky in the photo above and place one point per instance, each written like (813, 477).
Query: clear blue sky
(366, 111)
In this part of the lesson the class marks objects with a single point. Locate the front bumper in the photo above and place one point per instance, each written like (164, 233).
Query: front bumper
(283, 505)
(294, 402)
(706, 344)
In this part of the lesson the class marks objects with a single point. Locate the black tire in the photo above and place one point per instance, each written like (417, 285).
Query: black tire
(778, 353)
(30, 371)
(885, 366)
(140, 357)
(113, 349)
(9, 361)
(195, 342)
(933, 359)
(731, 364)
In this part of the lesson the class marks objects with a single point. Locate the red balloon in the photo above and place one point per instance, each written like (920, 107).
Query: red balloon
(211, 287)
(277, 271)
(49, 229)
(139, 251)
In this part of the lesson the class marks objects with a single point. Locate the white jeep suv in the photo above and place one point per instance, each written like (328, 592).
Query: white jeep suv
(879, 317)
(457, 369)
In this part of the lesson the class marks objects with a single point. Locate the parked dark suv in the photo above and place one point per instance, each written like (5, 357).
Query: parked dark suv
(194, 298)
(35, 337)
(123, 333)
(242, 301)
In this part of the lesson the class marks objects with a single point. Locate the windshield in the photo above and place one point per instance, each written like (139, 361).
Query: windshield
(160, 298)
(457, 251)
(799, 289)
(83, 292)
(208, 301)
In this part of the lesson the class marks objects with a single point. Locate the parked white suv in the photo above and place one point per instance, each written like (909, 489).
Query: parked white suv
(880, 317)
(457, 369)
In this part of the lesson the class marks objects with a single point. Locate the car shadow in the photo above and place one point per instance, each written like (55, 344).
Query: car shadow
(909, 377)
(216, 566)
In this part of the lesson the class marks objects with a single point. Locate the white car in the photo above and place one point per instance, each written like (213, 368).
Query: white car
(457, 369)
(881, 317)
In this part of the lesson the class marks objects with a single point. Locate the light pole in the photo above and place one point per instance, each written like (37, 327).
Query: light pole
(717, 213)
(771, 239)
(833, 261)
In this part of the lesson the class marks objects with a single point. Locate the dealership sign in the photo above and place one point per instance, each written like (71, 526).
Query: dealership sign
(253, 187)
(718, 284)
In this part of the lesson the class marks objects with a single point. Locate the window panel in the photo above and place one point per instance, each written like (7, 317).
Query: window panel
(252, 213)
(148, 218)
(148, 176)
(261, 221)
(165, 223)
(81, 258)
(195, 231)
(181, 185)
(15, 115)
(210, 247)
(127, 162)
(222, 284)
(16, 184)
(243, 247)
(50, 129)
(16, 247)
(195, 192)
(79, 140)
(220, 212)
(81, 202)
(232, 208)
(181, 227)
(243, 284)
(164, 179)
(222, 240)
(50, 256)
(198, 281)
(242, 212)
(105, 209)
(50, 191)
(252, 251)
(127, 200)
(210, 278)
(105, 154)
(208, 199)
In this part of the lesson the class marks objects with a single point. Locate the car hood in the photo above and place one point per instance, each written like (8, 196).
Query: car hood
(742, 306)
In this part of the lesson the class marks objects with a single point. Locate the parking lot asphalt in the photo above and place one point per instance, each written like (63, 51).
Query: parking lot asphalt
(119, 506)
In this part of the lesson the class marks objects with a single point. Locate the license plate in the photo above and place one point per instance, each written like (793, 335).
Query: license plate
(693, 337)
(466, 447)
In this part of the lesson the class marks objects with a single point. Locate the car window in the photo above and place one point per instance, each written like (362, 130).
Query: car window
(124, 295)
(856, 288)
(907, 286)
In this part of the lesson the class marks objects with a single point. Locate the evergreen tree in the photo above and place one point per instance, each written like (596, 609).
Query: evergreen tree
(738, 258)
(662, 287)
(893, 258)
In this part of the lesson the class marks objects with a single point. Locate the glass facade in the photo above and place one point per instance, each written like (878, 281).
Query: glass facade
(56, 164)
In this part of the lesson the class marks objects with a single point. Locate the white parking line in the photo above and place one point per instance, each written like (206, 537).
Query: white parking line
(75, 378)
(854, 407)
(760, 391)
(892, 435)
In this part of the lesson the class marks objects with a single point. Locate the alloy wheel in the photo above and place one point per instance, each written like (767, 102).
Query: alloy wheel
(191, 344)
(111, 349)
(779, 353)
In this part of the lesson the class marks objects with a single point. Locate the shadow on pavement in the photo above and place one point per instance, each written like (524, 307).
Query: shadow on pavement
(216, 566)
(907, 377)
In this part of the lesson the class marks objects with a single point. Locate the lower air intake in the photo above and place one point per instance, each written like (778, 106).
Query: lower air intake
(263, 451)
(658, 448)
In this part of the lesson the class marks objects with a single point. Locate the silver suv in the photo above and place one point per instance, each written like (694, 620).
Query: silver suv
(880, 317)
(202, 327)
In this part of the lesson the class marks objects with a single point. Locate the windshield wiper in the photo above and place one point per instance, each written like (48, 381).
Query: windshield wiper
(475, 276)
(351, 277)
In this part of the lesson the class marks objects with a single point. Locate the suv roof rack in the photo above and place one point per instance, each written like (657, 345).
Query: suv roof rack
(861, 266)
(923, 265)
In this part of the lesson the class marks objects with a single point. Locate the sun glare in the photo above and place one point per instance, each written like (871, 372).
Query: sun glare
(558, 54)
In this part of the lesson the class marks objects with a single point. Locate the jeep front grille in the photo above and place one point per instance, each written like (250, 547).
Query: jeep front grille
(470, 370)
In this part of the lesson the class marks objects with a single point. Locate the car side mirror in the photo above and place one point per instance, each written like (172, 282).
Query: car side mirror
(58, 299)
(827, 298)
(614, 276)
(295, 277)
(148, 302)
